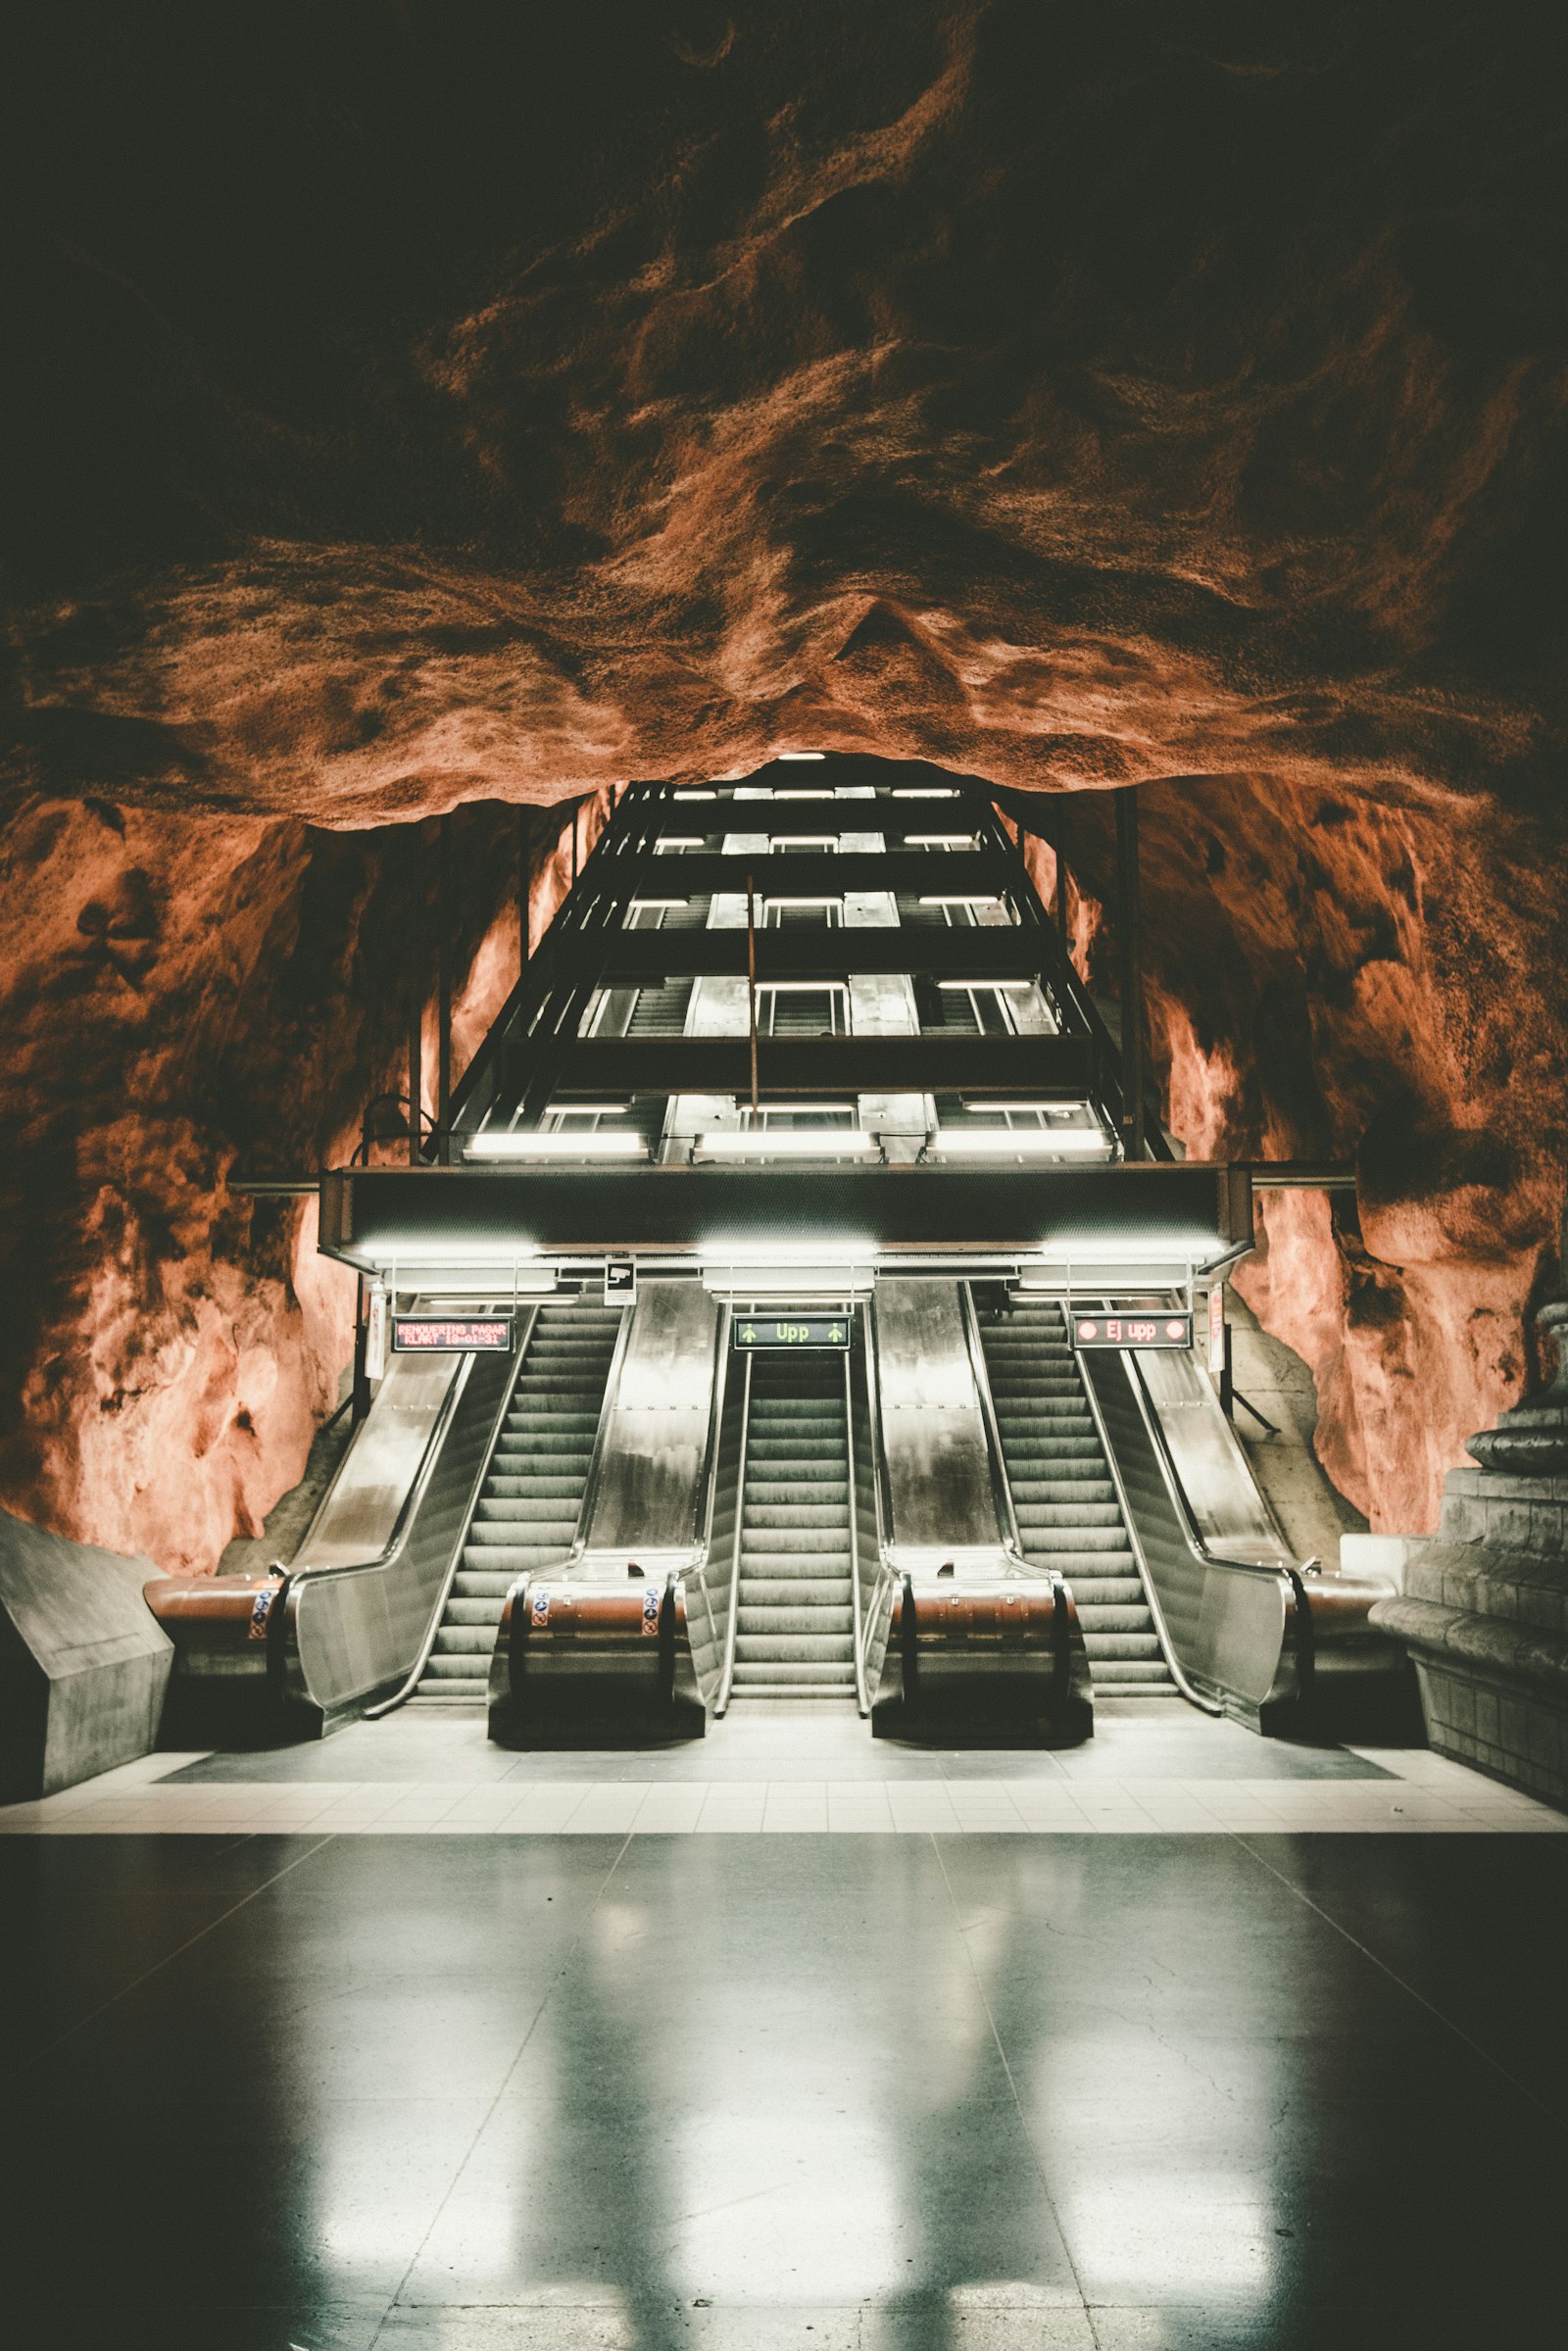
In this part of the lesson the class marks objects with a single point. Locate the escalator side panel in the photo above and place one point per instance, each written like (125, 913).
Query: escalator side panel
(933, 1430)
(1232, 1628)
(650, 1488)
(355, 1636)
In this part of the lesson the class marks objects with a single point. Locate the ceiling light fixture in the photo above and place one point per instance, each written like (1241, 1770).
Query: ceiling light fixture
(1019, 1143)
(514, 1146)
(788, 1143)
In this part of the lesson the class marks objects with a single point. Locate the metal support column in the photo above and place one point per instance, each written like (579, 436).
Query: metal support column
(443, 1033)
(416, 996)
(1129, 929)
(524, 906)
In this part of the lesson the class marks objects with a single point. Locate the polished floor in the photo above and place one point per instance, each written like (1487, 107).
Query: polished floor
(605, 2088)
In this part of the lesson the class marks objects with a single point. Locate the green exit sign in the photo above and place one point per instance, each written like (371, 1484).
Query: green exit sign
(752, 1331)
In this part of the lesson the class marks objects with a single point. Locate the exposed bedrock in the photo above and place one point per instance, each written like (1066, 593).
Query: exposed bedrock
(183, 1002)
(1332, 980)
(407, 409)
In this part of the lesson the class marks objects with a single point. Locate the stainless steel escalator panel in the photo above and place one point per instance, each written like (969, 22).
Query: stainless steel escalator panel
(1227, 1506)
(1233, 1630)
(621, 1632)
(361, 1508)
(937, 1457)
(353, 1628)
(650, 1490)
(973, 1639)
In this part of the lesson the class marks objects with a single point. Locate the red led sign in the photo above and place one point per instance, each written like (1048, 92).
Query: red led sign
(452, 1334)
(1132, 1330)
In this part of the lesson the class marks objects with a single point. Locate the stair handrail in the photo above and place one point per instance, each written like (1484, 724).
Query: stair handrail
(728, 1675)
(407, 1689)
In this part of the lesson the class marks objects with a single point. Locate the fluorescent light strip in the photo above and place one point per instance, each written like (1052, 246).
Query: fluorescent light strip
(681, 796)
(789, 1142)
(925, 792)
(1019, 1143)
(963, 986)
(512, 1146)
(800, 755)
(990, 900)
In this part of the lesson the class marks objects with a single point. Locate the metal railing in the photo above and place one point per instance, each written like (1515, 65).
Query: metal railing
(727, 1676)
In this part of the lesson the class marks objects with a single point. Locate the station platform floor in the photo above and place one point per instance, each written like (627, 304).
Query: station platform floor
(1178, 2039)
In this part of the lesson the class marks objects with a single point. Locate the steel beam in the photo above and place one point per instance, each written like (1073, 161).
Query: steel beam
(1054, 1068)
(641, 959)
(374, 1217)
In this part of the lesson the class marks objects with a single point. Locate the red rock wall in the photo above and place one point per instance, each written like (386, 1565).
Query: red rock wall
(1385, 987)
(184, 1002)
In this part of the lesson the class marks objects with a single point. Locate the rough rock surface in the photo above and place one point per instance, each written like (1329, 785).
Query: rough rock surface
(185, 1002)
(407, 410)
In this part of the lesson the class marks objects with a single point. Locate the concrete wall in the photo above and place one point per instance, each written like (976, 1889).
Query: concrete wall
(84, 1667)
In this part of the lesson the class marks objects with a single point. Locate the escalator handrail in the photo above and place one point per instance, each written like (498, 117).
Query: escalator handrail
(407, 1689)
(888, 1577)
(728, 1673)
(1001, 1483)
(855, 1536)
(704, 1544)
(1193, 1695)
(596, 1460)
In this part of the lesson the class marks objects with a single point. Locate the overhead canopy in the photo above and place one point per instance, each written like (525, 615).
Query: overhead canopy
(473, 1227)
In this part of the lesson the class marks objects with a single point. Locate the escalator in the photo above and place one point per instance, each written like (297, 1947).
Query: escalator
(531, 1500)
(794, 1636)
(1064, 1499)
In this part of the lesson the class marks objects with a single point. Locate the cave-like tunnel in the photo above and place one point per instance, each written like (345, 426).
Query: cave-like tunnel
(784, 986)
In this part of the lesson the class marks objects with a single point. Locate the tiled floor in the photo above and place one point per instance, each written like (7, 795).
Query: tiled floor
(605, 2092)
(806, 1773)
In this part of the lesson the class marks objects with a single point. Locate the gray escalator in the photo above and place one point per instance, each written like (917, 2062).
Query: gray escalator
(795, 1636)
(529, 1506)
(1063, 1496)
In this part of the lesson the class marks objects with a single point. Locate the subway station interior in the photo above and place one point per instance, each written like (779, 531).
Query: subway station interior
(784, 1417)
